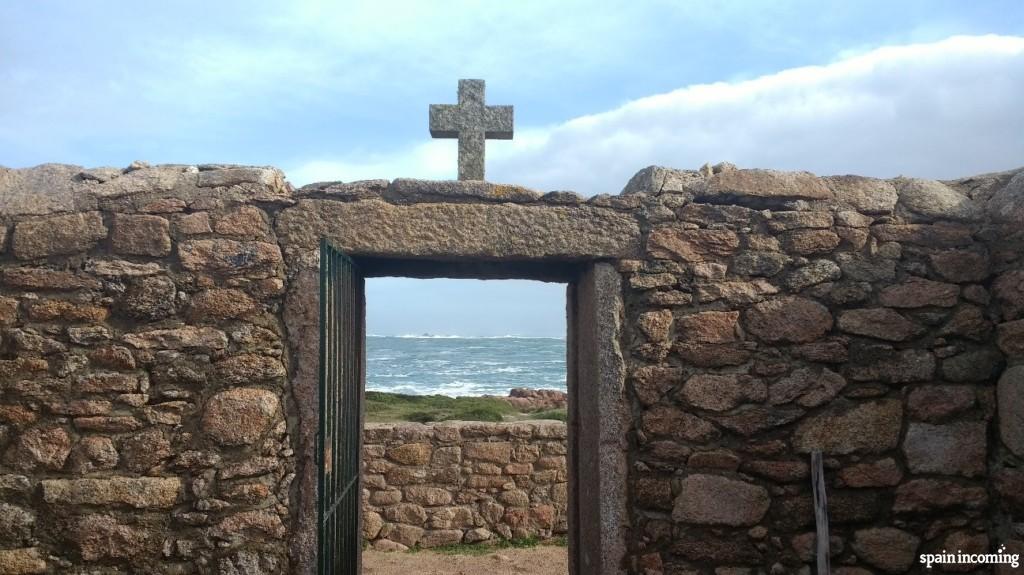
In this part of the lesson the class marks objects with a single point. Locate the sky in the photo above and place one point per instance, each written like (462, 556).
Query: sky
(339, 91)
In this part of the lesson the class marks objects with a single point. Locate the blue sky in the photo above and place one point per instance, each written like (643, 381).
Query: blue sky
(338, 90)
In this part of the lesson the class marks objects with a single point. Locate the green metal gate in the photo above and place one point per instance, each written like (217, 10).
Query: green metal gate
(339, 440)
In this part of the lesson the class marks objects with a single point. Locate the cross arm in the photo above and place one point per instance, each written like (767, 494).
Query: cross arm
(444, 122)
(498, 122)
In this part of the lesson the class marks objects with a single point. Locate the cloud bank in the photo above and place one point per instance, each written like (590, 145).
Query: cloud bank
(941, 110)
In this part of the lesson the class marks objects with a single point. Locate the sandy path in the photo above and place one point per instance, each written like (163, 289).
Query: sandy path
(543, 560)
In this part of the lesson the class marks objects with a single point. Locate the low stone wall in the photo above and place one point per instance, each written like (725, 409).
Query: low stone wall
(463, 482)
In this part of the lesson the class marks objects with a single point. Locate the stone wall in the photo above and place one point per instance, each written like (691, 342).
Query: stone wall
(778, 313)
(158, 372)
(440, 484)
(143, 382)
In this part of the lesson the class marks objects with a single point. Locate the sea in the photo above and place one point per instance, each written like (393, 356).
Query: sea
(463, 366)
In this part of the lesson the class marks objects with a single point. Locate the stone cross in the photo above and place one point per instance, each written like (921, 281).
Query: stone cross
(471, 122)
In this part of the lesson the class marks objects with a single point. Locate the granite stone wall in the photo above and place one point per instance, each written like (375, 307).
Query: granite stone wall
(462, 482)
(778, 313)
(158, 363)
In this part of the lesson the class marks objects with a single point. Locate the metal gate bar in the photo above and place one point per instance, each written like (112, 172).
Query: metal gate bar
(339, 435)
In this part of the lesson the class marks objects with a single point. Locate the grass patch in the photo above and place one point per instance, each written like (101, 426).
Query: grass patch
(486, 547)
(388, 407)
(558, 414)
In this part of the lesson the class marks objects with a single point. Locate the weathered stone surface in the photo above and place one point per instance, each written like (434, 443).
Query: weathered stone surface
(248, 368)
(178, 338)
(807, 242)
(1008, 290)
(25, 561)
(786, 220)
(63, 310)
(101, 536)
(918, 292)
(461, 230)
(749, 186)
(46, 279)
(736, 293)
(267, 522)
(953, 449)
(865, 427)
(243, 222)
(781, 471)
(878, 322)
(667, 421)
(814, 273)
(933, 494)
(881, 362)
(655, 324)
(1007, 204)
(652, 382)
(708, 327)
(244, 562)
(936, 201)
(868, 195)
(751, 420)
(106, 381)
(1010, 398)
(788, 319)
(108, 423)
(891, 550)
(881, 473)
(716, 549)
(691, 245)
(807, 387)
(46, 446)
(240, 416)
(141, 235)
(1010, 337)
(404, 190)
(223, 176)
(16, 524)
(961, 266)
(716, 500)
(220, 304)
(861, 269)
(968, 321)
(495, 452)
(657, 180)
(411, 453)
(94, 453)
(122, 268)
(145, 450)
(722, 392)
(57, 235)
(427, 496)
(934, 403)
(150, 298)
(930, 235)
(193, 224)
(974, 365)
(757, 263)
(230, 257)
(138, 492)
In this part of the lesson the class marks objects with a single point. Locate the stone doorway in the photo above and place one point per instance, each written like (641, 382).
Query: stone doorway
(597, 415)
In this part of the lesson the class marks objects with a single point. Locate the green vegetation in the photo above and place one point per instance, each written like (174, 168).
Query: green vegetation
(558, 414)
(387, 407)
(485, 547)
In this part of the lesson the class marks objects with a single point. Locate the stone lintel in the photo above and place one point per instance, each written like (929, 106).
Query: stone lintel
(486, 232)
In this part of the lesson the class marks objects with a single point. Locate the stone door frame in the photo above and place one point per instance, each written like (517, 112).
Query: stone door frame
(597, 456)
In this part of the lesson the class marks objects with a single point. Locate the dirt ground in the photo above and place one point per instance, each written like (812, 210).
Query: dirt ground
(543, 560)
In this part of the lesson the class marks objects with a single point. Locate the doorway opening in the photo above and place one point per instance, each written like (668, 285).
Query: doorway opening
(509, 477)
(465, 440)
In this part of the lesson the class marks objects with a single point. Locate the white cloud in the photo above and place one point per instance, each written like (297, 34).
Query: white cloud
(943, 109)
